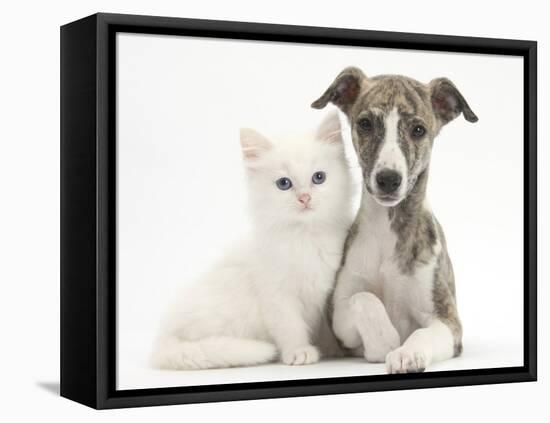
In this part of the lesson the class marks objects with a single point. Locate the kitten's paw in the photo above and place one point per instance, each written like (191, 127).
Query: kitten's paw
(404, 360)
(307, 354)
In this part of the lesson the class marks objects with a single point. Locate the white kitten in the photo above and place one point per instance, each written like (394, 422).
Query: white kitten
(268, 296)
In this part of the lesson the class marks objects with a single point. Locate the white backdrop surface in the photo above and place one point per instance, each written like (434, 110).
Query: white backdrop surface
(181, 191)
(29, 223)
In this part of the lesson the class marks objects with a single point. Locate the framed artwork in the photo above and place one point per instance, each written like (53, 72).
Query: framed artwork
(246, 211)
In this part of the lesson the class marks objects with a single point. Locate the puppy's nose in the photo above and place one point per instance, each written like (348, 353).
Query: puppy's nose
(304, 198)
(388, 181)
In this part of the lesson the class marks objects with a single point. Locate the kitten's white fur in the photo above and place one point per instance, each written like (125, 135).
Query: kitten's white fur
(267, 298)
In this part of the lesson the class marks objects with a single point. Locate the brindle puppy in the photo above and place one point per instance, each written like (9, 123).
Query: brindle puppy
(396, 282)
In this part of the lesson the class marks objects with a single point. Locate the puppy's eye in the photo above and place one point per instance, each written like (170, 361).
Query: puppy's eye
(418, 131)
(319, 177)
(365, 124)
(283, 183)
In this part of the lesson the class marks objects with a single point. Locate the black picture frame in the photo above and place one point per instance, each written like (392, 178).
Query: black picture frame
(88, 260)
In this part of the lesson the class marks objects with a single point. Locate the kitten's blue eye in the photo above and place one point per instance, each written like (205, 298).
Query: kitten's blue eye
(283, 183)
(319, 177)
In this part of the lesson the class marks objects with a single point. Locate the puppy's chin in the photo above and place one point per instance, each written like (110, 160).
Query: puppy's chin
(387, 201)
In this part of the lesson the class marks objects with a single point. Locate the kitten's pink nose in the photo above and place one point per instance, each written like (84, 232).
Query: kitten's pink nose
(304, 199)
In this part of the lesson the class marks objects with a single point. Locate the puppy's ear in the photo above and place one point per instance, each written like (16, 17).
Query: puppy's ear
(330, 131)
(253, 145)
(448, 103)
(343, 91)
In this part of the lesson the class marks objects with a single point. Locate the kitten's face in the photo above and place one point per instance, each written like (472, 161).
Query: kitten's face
(299, 179)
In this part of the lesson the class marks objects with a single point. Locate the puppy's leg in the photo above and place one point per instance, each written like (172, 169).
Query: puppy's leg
(378, 334)
(343, 318)
(439, 338)
(363, 325)
(425, 346)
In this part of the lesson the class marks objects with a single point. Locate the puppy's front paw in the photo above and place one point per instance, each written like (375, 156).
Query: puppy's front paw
(302, 355)
(403, 360)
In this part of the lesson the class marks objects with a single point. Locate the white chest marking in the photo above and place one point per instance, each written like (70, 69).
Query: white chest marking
(373, 247)
(407, 297)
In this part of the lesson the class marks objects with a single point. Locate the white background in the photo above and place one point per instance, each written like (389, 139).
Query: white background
(181, 190)
(29, 228)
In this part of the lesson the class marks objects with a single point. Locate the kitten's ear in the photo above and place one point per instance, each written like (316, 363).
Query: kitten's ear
(253, 144)
(343, 91)
(330, 131)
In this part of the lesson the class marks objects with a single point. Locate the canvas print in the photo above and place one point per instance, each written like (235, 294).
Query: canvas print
(296, 211)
